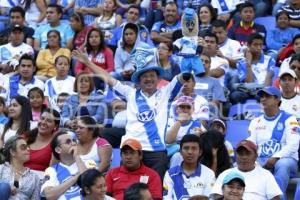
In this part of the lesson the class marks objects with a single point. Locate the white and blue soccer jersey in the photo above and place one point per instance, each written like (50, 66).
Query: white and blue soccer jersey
(263, 131)
(179, 186)
(54, 87)
(187, 45)
(185, 128)
(147, 116)
(59, 173)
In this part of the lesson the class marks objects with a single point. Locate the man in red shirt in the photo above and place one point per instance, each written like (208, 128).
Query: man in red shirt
(132, 171)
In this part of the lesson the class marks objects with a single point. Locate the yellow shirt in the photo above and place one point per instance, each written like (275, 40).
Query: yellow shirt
(45, 61)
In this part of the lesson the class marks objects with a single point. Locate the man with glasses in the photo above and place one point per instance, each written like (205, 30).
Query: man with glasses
(190, 178)
(60, 179)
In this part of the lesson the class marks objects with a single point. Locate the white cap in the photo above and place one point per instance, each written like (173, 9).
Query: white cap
(288, 71)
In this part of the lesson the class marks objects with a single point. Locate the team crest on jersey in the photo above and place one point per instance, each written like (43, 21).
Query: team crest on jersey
(269, 148)
(146, 116)
(280, 126)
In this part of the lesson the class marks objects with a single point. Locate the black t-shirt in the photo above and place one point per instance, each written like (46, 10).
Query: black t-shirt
(28, 31)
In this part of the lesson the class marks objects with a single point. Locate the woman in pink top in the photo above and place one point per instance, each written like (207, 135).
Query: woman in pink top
(91, 146)
(97, 51)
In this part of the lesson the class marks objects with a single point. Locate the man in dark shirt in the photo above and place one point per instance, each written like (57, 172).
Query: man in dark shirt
(242, 30)
(17, 16)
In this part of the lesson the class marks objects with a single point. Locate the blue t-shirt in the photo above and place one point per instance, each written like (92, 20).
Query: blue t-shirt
(65, 30)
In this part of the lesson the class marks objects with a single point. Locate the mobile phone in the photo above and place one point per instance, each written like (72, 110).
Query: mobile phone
(16, 184)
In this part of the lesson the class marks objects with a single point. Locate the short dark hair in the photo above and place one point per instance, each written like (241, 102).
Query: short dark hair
(219, 23)
(133, 192)
(134, 7)
(18, 9)
(88, 179)
(209, 34)
(171, 3)
(58, 7)
(27, 57)
(255, 36)
(63, 94)
(190, 138)
(247, 4)
(295, 57)
(55, 142)
(283, 12)
(295, 38)
(2, 101)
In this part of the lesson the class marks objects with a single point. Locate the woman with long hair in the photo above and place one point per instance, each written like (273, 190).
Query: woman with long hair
(207, 14)
(91, 146)
(97, 52)
(45, 61)
(109, 19)
(215, 155)
(85, 102)
(80, 29)
(17, 181)
(39, 140)
(19, 119)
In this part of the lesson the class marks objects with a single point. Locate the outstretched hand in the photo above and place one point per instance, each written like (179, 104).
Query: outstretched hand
(81, 55)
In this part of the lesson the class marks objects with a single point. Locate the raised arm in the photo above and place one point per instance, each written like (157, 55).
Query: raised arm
(81, 55)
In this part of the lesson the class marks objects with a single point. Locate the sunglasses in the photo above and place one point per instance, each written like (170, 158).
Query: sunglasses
(184, 106)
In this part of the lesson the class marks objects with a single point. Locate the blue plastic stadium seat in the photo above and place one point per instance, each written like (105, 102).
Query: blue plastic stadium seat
(237, 130)
(268, 22)
(251, 106)
(116, 158)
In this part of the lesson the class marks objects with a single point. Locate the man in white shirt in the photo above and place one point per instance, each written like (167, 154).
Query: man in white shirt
(260, 183)
(228, 48)
(12, 51)
(23, 81)
(219, 66)
(60, 180)
(290, 99)
(147, 106)
(190, 178)
(277, 135)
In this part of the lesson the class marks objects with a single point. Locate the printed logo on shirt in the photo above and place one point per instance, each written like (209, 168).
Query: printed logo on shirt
(144, 179)
(269, 148)
(146, 116)
(280, 126)
(294, 123)
(295, 107)
(260, 128)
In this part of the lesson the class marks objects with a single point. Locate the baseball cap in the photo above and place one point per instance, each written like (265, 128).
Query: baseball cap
(16, 27)
(288, 71)
(271, 90)
(234, 176)
(132, 143)
(185, 100)
(250, 146)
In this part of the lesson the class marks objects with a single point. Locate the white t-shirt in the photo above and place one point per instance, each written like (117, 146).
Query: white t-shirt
(260, 184)
(218, 62)
(198, 183)
(261, 129)
(291, 106)
(8, 51)
(227, 7)
(54, 87)
(10, 133)
(232, 49)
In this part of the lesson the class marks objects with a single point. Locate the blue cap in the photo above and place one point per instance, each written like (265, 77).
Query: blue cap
(233, 175)
(270, 90)
(189, 14)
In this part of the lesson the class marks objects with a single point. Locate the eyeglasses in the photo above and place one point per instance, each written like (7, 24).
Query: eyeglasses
(23, 147)
(69, 141)
(184, 106)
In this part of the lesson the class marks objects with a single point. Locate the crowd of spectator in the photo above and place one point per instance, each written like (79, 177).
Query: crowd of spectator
(82, 78)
